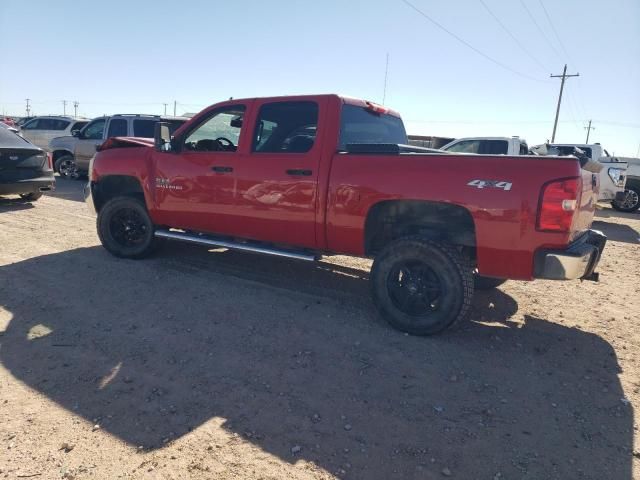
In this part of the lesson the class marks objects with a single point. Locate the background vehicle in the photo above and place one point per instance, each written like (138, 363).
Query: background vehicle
(4, 126)
(488, 146)
(630, 202)
(611, 178)
(41, 130)
(71, 154)
(25, 169)
(303, 176)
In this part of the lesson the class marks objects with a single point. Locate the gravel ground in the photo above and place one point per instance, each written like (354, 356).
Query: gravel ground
(221, 365)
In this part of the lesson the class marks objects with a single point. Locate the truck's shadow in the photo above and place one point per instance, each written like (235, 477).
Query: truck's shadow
(157, 348)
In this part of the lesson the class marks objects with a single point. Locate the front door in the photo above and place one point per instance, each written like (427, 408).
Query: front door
(90, 137)
(277, 181)
(195, 186)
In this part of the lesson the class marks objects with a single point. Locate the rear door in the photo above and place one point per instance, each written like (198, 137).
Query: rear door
(277, 183)
(55, 128)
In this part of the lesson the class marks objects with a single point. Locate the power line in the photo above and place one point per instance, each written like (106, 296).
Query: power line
(522, 47)
(540, 29)
(555, 32)
(468, 45)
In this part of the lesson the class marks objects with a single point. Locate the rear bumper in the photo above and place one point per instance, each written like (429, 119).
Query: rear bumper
(16, 187)
(578, 260)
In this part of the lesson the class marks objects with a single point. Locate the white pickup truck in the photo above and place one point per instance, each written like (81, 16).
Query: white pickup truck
(612, 176)
(631, 200)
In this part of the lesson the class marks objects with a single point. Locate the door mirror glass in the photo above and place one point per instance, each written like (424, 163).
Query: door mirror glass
(162, 137)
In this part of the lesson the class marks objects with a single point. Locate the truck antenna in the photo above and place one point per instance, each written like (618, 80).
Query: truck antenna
(386, 76)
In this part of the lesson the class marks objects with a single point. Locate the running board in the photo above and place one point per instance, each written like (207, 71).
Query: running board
(201, 239)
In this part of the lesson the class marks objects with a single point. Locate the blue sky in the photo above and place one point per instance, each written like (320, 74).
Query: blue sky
(133, 56)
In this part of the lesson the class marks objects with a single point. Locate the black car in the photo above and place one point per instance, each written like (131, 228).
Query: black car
(25, 169)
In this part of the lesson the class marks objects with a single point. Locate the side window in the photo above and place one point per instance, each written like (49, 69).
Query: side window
(32, 125)
(286, 127)
(117, 128)
(220, 132)
(94, 130)
(466, 146)
(524, 149)
(78, 126)
(46, 124)
(494, 147)
(59, 124)
(144, 128)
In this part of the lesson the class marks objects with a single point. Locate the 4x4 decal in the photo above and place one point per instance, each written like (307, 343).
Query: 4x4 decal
(490, 184)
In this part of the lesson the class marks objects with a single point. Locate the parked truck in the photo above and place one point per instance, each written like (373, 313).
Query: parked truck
(306, 176)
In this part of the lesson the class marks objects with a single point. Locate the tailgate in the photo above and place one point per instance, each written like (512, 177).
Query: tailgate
(13, 159)
(584, 216)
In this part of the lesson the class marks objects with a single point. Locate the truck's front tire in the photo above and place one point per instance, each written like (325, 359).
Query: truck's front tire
(125, 228)
(421, 287)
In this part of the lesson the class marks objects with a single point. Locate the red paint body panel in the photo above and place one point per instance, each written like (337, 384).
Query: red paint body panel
(327, 210)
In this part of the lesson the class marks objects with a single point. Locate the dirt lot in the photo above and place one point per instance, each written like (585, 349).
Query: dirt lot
(221, 365)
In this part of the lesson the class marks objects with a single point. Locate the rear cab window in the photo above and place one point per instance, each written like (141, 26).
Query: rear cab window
(359, 124)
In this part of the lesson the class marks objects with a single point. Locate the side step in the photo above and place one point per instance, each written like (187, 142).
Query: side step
(211, 241)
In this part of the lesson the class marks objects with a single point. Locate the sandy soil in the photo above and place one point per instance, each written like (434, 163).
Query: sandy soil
(221, 365)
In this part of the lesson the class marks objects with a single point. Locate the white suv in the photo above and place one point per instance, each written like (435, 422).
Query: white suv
(41, 130)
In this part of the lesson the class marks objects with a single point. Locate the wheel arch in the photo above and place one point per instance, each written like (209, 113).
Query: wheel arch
(111, 186)
(59, 153)
(444, 222)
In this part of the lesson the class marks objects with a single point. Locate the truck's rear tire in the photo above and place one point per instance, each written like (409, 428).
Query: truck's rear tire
(631, 202)
(125, 228)
(421, 287)
(486, 283)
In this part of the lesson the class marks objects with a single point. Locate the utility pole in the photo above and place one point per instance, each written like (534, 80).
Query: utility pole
(64, 107)
(28, 106)
(386, 75)
(165, 107)
(175, 105)
(75, 108)
(564, 76)
(588, 129)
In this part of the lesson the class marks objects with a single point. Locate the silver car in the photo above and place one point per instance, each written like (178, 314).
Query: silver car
(41, 130)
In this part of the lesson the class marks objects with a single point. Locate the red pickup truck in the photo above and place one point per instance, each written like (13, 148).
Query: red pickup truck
(307, 176)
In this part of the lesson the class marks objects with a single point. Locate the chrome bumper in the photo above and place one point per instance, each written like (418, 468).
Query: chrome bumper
(579, 260)
(88, 198)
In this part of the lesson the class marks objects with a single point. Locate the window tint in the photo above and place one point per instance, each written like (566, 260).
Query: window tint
(494, 147)
(78, 126)
(524, 148)
(94, 130)
(144, 128)
(465, 146)
(31, 125)
(286, 127)
(220, 132)
(117, 128)
(359, 125)
(59, 124)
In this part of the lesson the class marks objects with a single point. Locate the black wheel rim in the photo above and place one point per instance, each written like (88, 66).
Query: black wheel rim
(128, 228)
(415, 288)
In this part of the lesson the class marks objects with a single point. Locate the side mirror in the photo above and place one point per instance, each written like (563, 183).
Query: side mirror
(76, 133)
(162, 137)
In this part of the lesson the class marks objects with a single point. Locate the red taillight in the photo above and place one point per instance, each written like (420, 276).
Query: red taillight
(50, 160)
(559, 201)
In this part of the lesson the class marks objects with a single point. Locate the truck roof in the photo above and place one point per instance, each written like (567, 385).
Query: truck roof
(343, 98)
